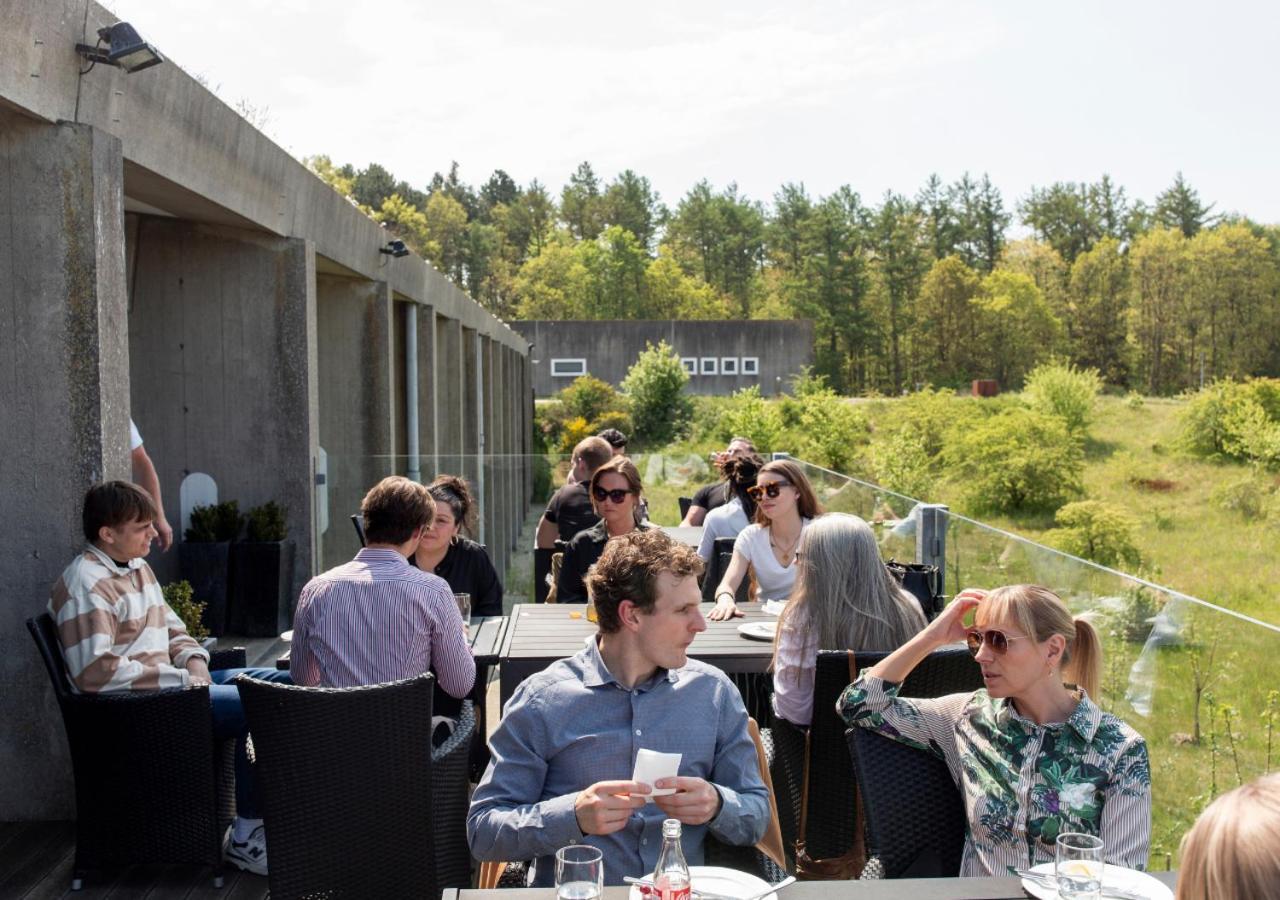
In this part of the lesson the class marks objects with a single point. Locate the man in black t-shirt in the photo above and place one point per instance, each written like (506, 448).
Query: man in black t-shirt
(570, 509)
(709, 497)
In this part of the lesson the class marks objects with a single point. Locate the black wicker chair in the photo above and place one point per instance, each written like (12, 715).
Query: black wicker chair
(357, 520)
(153, 799)
(830, 827)
(356, 803)
(684, 503)
(913, 810)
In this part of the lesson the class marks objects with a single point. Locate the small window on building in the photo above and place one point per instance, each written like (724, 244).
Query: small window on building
(709, 365)
(568, 368)
(690, 364)
(750, 365)
(728, 365)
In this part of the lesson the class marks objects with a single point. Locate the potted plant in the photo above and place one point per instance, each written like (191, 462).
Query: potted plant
(262, 574)
(181, 599)
(204, 558)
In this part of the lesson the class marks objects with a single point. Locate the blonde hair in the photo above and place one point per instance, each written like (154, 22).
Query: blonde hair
(1230, 853)
(1040, 613)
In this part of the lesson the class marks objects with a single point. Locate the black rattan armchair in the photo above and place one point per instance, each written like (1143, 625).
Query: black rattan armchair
(356, 803)
(914, 814)
(145, 771)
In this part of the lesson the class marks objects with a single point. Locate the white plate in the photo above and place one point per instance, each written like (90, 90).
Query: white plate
(717, 880)
(758, 631)
(287, 636)
(1113, 877)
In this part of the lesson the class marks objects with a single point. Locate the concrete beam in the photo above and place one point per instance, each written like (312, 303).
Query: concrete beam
(64, 353)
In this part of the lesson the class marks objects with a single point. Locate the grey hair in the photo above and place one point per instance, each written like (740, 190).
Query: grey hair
(844, 595)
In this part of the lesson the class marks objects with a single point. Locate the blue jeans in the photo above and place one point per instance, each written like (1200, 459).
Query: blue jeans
(229, 722)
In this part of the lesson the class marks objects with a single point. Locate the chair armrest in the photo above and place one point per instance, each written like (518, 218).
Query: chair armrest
(231, 658)
(460, 741)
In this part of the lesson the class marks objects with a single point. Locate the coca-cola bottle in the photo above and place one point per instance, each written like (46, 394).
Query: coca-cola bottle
(671, 875)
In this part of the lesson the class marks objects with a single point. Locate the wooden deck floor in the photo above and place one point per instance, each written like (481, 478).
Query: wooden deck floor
(35, 862)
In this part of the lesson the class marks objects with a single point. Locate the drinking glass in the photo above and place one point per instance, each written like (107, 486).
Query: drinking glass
(579, 872)
(1078, 865)
(464, 607)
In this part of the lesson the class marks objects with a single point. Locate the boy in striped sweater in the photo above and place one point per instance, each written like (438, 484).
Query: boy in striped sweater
(117, 634)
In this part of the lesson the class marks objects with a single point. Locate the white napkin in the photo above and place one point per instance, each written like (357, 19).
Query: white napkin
(774, 607)
(652, 765)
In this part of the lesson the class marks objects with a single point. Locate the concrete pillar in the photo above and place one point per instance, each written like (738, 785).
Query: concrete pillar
(222, 342)
(428, 399)
(64, 401)
(353, 331)
(452, 389)
(472, 410)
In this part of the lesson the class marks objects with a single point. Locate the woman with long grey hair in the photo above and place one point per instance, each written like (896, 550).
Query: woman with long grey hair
(844, 599)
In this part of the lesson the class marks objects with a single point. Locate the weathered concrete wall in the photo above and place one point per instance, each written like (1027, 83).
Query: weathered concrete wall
(353, 327)
(222, 346)
(64, 401)
(610, 348)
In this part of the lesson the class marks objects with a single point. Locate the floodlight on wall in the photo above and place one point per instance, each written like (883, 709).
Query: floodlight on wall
(124, 49)
(395, 248)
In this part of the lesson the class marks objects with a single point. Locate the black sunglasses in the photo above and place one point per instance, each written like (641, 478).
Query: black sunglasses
(998, 641)
(615, 496)
(772, 489)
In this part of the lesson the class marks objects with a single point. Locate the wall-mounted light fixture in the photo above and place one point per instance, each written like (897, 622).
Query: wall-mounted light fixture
(395, 248)
(124, 49)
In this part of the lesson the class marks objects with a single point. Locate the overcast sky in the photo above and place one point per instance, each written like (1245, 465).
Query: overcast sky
(875, 95)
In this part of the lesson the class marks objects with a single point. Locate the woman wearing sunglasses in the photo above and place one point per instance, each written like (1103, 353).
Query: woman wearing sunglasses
(615, 491)
(1031, 753)
(844, 598)
(785, 505)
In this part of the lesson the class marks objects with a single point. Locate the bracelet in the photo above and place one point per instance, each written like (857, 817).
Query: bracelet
(728, 594)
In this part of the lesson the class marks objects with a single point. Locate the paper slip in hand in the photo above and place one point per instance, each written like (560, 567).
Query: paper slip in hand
(652, 765)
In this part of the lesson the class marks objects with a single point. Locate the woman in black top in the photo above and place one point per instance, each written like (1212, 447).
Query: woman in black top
(461, 562)
(615, 494)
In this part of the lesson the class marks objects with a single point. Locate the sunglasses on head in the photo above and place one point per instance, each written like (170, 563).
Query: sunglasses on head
(998, 641)
(616, 496)
(770, 490)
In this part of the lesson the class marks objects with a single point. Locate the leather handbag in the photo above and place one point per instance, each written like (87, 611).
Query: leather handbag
(833, 868)
(922, 582)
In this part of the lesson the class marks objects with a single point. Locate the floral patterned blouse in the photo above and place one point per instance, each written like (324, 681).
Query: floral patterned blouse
(1022, 784)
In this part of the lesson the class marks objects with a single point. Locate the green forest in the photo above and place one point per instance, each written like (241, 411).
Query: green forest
(912, 290)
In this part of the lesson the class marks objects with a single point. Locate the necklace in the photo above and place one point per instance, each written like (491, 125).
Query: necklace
(787, 554)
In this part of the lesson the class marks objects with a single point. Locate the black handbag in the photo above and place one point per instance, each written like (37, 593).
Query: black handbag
(922, 582)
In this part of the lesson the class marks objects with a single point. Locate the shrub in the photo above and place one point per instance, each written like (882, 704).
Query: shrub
(660, 410)
(1132, 621)
(1064, 391)
(1251, 434)
(589, 397)
(1017, 460)
(571, 432)
(902, 465)
(830, 429)
(186, 607)
(751, 416)
(1247, 496)
(1134, 400)
(1096, 531)
(1238, 420)
(266, 523)
(214, 523)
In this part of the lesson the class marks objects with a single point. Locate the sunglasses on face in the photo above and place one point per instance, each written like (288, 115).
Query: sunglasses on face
(616, 496)
(998, 641)
(770, 490)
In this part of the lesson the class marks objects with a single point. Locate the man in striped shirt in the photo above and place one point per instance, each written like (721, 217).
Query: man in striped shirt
(117, 634)
(377, 618)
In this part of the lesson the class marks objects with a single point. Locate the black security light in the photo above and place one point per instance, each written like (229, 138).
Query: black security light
(395, 248)
(124, 49)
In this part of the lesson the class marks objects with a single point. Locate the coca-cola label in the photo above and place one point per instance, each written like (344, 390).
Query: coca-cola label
(673, 888)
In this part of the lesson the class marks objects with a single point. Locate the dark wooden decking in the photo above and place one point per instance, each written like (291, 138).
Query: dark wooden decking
(35, 862)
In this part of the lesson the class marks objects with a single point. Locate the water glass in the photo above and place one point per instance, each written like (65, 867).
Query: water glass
(579, 872)
(1079, 866)
(464, 607)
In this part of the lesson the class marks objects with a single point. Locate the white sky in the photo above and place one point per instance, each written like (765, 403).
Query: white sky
(876, 95)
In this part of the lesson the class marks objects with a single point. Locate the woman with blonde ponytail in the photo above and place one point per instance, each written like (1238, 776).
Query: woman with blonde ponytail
(1031, 753)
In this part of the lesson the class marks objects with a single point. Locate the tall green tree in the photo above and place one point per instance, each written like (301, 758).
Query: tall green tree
(947, 340)
(580, 204)
(1099, 304)
(1159, 282)
(372, 185)
(631, 203)
(1061, 216)
(720, 237)
(940, 220)
(1017, 328)
(901, 260)
(1179, 206)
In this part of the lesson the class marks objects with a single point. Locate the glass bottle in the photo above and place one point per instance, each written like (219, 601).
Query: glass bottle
(671, 875)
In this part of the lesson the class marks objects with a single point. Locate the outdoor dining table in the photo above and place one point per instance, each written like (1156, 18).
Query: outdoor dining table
(1002, 888)
(539, 634)
(685, 534)
(485, 636)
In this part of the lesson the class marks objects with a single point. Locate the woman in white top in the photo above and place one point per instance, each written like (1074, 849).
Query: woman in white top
(844, 599)
(729, 520)
(785, 504)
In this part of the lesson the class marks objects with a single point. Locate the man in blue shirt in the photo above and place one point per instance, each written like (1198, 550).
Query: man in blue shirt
(567, 743)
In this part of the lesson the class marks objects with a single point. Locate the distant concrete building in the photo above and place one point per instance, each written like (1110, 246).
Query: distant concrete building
(720, 356)
(162, 260)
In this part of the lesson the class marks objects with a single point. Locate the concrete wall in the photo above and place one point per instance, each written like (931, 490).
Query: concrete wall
(64, 401)
(610, 348)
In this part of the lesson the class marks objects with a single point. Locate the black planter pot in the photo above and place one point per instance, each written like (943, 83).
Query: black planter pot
(261, 581)
(205, 566)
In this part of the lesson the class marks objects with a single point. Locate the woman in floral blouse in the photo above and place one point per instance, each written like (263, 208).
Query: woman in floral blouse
(1033, 756)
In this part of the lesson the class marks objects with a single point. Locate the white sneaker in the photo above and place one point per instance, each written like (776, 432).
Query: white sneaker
(250, 855)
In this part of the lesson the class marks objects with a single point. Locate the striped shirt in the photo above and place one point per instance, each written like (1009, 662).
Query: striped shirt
(115, 630)
(1022, 784)
(378, 619)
